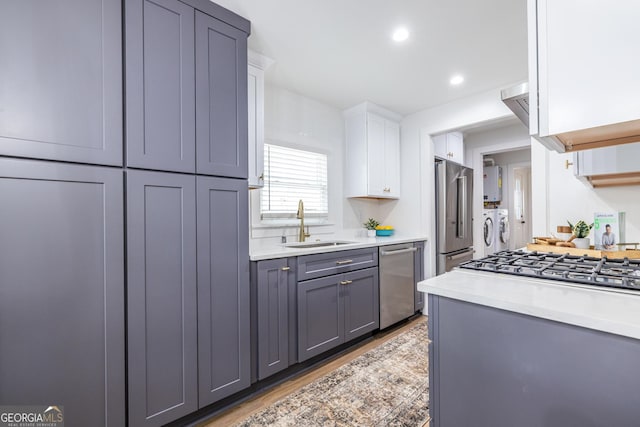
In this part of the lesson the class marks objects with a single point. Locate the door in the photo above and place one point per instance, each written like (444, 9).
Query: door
(375, 155)
(256, 127)
(572, 56)
(361, 302)
(160, 85)
(223, 288)
(61, 86)
(504, 231)
(455, 192)
(62, 289)
(455, 147)
(397, 283)
(221, 98)
(162, 329)
(521, 232)
(418, 262)
(391, 159)
(273, 316)
(320, 316)
(488, 232)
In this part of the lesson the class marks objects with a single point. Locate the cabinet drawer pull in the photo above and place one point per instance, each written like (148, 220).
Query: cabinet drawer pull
(345, 261)
(346, 282)
(285, 268)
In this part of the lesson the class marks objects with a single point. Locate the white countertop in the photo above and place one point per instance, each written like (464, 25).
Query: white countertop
(604, 309)
(281, 251)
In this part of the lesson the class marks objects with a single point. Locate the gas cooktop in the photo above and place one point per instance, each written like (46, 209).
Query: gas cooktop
(613, 273)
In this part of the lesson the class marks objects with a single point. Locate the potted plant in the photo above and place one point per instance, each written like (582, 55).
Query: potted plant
(581, 232)
(371, 225)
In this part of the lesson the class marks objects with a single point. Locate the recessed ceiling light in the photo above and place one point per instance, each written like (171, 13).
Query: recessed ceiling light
(400, 34)
(456, 80)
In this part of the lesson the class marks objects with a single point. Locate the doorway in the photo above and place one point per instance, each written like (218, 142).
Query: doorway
(521, 191)
(512, 206)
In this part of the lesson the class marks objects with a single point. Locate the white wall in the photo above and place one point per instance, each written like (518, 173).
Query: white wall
(301, 122)
(414, 211)
(568, 198)
(509, 157)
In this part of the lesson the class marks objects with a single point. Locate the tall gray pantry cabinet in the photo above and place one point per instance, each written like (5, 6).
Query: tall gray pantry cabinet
(61, 84)
(66, 229)
(62, 289)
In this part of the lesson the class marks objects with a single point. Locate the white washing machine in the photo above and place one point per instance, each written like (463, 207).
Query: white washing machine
(502, 230)
(489, 227)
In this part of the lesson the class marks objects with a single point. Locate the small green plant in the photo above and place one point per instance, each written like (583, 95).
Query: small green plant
(371, 224)
(580, 229)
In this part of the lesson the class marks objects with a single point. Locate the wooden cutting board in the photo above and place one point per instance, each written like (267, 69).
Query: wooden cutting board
(631, 253)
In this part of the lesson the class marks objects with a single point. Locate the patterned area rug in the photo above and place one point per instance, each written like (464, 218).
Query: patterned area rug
(386, 386)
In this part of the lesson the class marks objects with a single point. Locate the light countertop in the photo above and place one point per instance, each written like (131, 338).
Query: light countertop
(604, 309)
(281, 251)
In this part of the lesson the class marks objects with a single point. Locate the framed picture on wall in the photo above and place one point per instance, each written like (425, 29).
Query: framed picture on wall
(606, 230)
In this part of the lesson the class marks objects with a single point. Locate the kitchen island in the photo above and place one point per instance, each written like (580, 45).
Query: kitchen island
(520, 351)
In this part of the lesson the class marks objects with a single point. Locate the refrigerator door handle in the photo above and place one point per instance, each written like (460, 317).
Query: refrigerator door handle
(462, 206)
(460, 255)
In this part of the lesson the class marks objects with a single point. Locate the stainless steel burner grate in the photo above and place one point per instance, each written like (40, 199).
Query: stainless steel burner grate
(615, 273)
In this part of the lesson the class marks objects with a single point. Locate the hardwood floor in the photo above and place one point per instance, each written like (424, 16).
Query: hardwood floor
(271, 396)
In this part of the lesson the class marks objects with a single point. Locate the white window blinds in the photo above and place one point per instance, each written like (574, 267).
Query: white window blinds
(291, 175)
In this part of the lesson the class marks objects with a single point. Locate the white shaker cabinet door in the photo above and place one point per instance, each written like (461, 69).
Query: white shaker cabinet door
(392, 159)
(375, 155)
(587, 64)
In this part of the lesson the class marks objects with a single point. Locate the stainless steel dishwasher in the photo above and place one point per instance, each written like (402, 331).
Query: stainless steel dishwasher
(397, 283)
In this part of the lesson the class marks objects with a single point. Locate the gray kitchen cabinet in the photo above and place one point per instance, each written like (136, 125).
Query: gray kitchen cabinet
(62, 288)
(61, 90)
(224, 362)
(326, 264)
(221, 98)
(361, 302)
(162, 306)
(494, 367)
(335, 309)
(275, 280)
(160, 79)
(320, 316)
(418, 274)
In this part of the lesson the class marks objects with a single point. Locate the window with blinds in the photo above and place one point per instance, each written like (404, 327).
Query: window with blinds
(291, 175)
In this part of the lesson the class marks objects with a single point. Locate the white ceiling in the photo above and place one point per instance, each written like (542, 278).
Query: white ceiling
(340, 51)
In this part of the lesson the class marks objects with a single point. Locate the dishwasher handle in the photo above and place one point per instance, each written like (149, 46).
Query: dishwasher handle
(397, 252)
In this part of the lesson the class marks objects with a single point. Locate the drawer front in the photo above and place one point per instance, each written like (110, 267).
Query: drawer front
(320, 265)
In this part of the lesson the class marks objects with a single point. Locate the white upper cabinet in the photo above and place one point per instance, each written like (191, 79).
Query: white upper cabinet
(608, 166)
(257, 64)
(372, 166)
(584, 71)
(449, 146)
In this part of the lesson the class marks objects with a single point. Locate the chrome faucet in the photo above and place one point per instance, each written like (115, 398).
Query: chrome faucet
(300, 215)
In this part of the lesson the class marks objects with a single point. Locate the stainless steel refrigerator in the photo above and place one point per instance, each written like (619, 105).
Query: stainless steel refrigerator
(454, 215)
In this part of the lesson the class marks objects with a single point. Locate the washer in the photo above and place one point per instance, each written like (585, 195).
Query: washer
(502, 230)
(489, 228)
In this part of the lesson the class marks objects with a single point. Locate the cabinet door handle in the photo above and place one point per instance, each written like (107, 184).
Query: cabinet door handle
(285, 268)
(345, 261)
(261, 177)
(346, 282)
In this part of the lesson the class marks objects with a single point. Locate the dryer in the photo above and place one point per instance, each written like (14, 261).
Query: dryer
(489, 223)
(502, 230)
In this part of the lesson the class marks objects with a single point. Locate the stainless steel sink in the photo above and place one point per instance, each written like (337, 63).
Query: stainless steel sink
(322, 244)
